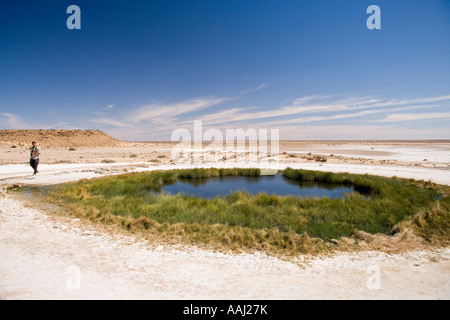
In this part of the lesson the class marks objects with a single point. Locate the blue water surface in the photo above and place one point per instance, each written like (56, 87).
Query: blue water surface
(278, 185)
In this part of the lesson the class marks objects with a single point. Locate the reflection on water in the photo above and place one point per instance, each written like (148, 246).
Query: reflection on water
(279, 185)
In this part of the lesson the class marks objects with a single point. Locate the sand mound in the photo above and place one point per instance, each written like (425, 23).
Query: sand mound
(58, 138)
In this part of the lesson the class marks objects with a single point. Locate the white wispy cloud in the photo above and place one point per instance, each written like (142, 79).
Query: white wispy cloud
(171, 115)
(314, 111)
(157, 113)
(301, 110)
(11, 121)
(256, 89)
(427, 100)
(324, 116)
(416, 116)
(148, 120)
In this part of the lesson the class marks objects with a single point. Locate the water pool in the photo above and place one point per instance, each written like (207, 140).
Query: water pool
(277, 184)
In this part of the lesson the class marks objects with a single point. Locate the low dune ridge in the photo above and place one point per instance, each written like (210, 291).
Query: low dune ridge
(58, 138)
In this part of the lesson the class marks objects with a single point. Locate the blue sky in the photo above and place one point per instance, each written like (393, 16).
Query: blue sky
(138, 70)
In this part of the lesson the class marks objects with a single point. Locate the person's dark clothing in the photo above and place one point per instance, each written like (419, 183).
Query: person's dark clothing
(34, 164)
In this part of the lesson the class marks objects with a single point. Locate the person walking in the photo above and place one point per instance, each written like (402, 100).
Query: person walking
(34, 157)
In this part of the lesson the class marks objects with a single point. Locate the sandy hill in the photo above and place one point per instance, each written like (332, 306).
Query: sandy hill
(58, 138)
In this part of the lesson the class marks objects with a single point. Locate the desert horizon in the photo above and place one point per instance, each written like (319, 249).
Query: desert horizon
(5, 133)
(400, 258)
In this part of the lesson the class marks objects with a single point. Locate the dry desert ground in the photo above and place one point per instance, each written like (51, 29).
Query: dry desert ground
(47, 257)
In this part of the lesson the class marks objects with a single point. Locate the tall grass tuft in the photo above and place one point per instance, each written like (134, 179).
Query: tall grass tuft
(263, 222)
